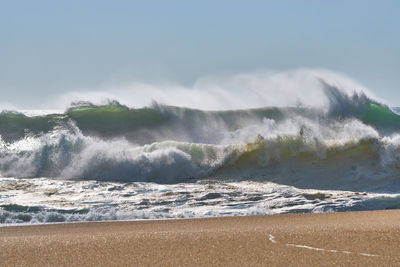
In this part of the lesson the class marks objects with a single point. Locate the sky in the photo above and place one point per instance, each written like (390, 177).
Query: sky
(50, 48)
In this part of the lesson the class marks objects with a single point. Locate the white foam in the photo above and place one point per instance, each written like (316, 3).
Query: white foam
(44, 200)
(272, 239)
(330, 250)
(40, 112)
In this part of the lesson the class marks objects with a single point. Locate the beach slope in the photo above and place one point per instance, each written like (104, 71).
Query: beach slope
(351, 238)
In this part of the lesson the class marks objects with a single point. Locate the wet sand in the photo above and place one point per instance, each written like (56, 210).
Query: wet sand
(352, 238)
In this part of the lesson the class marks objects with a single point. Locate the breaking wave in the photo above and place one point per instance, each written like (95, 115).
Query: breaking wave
(352, 144)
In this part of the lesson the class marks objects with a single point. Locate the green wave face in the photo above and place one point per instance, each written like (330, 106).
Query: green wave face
(381, 117)
(143, 125)
(114, 119)
(160, 123)
(14, 126)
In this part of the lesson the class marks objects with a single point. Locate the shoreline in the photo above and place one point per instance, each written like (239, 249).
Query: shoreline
(347, 238)
(180, 219)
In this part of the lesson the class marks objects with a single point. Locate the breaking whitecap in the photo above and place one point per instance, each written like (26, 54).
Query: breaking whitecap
(113, 162)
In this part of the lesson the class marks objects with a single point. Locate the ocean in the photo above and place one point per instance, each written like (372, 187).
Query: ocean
(114, 162)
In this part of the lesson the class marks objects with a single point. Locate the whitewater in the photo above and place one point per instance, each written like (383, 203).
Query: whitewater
(112, 161)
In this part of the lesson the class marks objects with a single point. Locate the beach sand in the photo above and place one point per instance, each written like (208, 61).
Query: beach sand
(350, 238)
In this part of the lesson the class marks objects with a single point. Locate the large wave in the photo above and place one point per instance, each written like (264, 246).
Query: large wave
(352, 143)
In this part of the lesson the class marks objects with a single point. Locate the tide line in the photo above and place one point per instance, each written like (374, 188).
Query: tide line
(273, 240)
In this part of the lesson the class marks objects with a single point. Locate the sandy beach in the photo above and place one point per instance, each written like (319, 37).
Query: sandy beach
(352, 238)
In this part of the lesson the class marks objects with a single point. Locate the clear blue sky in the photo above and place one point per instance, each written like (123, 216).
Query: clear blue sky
(51, 47)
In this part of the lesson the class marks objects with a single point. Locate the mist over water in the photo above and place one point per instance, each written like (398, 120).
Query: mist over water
(229, 92)
(210, 146)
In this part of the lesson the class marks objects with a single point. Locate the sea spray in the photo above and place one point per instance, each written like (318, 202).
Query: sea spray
(111, 161)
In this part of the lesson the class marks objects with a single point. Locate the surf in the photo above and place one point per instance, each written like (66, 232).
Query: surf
(114, 161)
(354, 138)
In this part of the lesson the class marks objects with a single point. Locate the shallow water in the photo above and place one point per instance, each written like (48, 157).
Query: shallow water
(43, 200)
